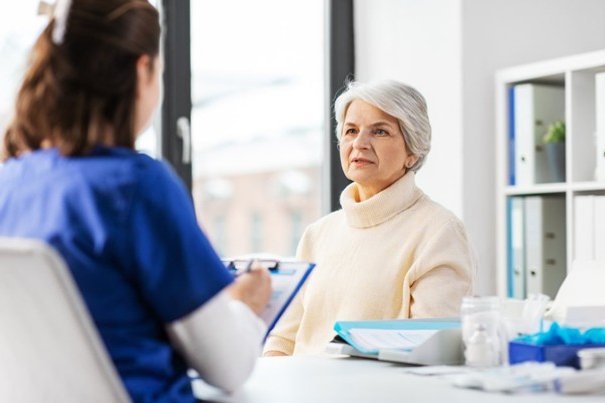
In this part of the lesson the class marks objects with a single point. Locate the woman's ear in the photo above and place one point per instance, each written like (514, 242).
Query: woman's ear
(144, 72)
(410, 161)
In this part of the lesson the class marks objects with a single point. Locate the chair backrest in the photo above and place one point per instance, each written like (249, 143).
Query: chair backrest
(49, 348)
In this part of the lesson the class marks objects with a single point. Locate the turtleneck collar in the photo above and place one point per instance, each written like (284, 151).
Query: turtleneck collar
(379, 208)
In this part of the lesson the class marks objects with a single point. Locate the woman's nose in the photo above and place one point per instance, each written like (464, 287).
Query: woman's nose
(362, 140)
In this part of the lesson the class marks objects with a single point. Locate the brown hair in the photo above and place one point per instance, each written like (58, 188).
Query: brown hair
(81, 92)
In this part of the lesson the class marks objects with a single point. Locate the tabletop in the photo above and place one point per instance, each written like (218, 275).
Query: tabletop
(354, 380)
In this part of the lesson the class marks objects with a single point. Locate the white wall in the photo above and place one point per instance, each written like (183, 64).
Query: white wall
(450, 51)
(418, 42)
(498, 34)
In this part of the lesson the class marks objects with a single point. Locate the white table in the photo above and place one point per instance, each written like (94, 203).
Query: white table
(353, 380)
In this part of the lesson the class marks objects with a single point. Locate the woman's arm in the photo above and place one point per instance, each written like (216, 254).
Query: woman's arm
(443, 273)
(274, 354)
(281, 340)
(184, 281)
(221, 340)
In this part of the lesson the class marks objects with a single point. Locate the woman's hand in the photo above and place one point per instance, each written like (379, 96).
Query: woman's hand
(275, 354)
(253, 288)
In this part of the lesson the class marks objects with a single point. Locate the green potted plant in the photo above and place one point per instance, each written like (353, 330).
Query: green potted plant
(554, 143)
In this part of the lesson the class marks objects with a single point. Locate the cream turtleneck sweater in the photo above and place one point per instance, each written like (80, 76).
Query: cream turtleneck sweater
(395, 255)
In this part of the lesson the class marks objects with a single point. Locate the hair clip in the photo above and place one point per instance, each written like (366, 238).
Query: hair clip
(45, 8)
(60, 14)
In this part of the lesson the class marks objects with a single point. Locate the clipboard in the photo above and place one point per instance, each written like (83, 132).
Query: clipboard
(440, 344)
(287, 277)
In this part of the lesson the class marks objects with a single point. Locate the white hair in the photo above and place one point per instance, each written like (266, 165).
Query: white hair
(402, 102)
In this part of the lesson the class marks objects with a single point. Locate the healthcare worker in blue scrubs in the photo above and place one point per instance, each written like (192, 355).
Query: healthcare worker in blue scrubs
(124, 223)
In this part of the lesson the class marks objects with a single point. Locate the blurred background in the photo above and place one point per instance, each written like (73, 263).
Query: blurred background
(254, 82)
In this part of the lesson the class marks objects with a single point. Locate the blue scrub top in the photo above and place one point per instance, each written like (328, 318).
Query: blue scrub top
(126, 227)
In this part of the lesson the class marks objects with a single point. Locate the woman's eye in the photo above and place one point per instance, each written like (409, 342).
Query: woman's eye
(380, 132)
(350, 131)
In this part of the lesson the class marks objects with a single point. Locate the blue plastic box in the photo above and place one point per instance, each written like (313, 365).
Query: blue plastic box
(560, 355)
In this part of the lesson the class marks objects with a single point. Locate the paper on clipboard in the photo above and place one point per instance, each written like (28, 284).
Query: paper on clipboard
(287, 276)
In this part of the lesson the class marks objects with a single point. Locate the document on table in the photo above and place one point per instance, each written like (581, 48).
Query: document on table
(379, 339)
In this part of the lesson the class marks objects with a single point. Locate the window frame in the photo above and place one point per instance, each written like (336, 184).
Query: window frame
(339, 66)
(177, 86)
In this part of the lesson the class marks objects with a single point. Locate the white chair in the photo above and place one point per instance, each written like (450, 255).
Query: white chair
(49, 348)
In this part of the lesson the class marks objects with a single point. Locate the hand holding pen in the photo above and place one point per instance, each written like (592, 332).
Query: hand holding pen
(252, 286)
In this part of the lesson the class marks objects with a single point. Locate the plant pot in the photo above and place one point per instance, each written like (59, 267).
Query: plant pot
(555, 155)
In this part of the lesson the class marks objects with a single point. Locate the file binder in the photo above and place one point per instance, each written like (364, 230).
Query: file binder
(589, 228)
(600, 127)
(599, 228)
(535, 108)
(584, 228)
(511, 137)
(545, 244)
(517, 267)
(440, 345)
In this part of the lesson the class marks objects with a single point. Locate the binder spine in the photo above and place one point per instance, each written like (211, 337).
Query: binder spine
(511, 136)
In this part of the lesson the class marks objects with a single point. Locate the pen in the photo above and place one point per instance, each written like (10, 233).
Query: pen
(249, 265)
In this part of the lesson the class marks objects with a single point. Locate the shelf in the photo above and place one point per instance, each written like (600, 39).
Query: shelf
(552, 68)
(580, 199)
(543, 188)
(587, 186)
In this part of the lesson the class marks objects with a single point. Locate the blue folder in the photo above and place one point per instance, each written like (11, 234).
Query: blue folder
(343, 327)
(512, 181)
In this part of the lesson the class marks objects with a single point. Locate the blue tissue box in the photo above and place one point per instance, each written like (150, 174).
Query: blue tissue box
(560, 355)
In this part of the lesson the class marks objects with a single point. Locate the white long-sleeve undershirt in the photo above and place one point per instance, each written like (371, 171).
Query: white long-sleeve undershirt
(221, 340)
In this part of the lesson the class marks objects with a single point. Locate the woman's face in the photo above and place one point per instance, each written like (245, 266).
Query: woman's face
(373, 153)
(149, 74)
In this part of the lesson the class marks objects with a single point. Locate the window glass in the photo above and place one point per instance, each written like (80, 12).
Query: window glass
(257, 120)
(296, 229)
(148, 142)
(19, 29)
(219, 233)
(256, 233)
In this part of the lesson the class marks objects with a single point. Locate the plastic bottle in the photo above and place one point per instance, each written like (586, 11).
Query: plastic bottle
(480, 350)
(481, 331)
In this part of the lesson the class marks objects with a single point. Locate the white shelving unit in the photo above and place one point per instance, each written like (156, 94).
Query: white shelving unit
(577, 75)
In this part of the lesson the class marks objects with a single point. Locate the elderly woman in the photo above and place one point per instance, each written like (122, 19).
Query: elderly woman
(390, 252)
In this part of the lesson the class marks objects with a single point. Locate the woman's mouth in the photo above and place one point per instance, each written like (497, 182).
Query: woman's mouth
(360, 162)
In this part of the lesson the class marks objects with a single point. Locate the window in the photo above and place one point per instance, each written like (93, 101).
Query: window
(296, 225)
(257, 121)
(256, 232)
(148, 141)
(219, 227)
(19, 29)
(259, 105)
